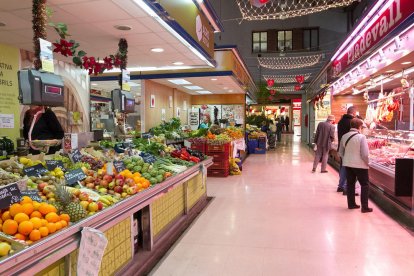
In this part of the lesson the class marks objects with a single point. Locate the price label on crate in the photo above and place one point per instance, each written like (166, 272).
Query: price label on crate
(53, 164)
(33, 194)
(76, 156)
(119, 166)
(35, 170)
(9, 195)
(72, 177)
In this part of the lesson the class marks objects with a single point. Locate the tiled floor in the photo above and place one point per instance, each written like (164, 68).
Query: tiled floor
(280, 219)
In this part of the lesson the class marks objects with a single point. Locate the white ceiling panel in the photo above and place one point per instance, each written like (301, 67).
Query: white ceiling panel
(152, 24)
(130, 7)
(13, 22)
(109, 27)
(8, 5)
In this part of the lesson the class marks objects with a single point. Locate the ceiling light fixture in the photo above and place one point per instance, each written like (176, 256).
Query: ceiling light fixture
(285, 78)
(193, 87)
(204, 92)
(157, 50)
(406, 62)
(213, 79)
(180, 81)
(231, 90)
(123, 27)
(225, 88)
(94, 84)
(178, 63)
(389, 71)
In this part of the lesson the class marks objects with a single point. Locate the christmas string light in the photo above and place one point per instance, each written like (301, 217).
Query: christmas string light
(284, 88)
(283, 9)
(285, 78)
(295, 62)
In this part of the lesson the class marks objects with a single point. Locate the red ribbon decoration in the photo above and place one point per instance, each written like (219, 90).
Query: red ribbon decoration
(300, 79)
(298, 87)
(270, 82)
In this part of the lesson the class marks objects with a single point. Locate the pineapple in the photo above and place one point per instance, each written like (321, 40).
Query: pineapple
(75, 211)
(57, 205)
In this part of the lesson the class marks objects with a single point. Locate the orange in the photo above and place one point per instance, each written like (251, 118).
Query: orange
(36, 214)
(52, 217)
(64, 223)
(137, 179)
(15, 209)
(35, 235)
(65, 217)
(45, 208)
(20, 217)
(37, 222)
(10, 227)
(28, 208)
(44, 231)
(25, 227)
(20, 236)
(1, 221)
(26, 199)
(44, 222)
(51, 226)
(6, 215)
(1, 227)
(36, 205)
(136, 174)
(58, 225)
(29, 242)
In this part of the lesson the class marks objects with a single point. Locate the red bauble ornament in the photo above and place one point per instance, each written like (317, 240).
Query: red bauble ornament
(258, 3)
(300, 79)
(298, 87)
(270, 98)
(270, 82)
(272, 92)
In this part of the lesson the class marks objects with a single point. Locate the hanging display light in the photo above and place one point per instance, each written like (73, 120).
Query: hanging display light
(285, 88)
(293, 62)
(285, 78)
(283, 9)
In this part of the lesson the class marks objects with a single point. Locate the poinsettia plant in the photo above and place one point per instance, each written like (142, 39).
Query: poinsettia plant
(69, 48)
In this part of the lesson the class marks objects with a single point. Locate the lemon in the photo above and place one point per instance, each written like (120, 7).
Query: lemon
(4, 249)
(52, 173)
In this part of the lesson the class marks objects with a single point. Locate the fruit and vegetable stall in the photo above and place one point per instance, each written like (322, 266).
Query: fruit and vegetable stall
(141, 198)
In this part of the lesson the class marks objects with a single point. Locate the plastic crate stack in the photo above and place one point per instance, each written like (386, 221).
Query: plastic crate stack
(257, 146)
(221, 165)
(199, 146)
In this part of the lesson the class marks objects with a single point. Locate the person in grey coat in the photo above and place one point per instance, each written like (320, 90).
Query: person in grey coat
(325, 135)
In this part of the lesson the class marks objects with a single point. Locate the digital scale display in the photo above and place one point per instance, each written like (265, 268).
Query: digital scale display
(53, 90)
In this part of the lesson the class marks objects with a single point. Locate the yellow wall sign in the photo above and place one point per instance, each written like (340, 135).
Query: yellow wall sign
(193, 21)
(9, 92)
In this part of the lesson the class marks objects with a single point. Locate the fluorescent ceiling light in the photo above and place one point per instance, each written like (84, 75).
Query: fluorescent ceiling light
(213, 79)
(406, 63)
(157, 50)
(389, 71)
(94, 84)
(178, 63)
(231, 90)
(143, 5)
(225, 88)
(193, 87)
(179, 81)
(204, 92)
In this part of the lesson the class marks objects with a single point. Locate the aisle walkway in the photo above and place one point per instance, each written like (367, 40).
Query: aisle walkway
(280, 219)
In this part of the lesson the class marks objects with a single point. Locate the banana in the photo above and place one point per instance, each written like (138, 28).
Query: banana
(105, 201)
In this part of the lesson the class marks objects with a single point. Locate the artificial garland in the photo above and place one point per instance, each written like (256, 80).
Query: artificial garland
(39, 28)
(81, 59)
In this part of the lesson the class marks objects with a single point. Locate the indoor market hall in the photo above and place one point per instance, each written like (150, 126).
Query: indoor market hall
(279, 218)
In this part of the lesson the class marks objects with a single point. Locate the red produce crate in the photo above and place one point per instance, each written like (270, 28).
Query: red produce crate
(225, 164)
(218, 173)
(218, 148)
(219, 156)
(199, 147)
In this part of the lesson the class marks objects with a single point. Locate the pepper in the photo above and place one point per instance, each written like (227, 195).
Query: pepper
(194, 159)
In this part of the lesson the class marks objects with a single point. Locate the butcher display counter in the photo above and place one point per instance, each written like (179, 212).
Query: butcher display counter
(139, 230)
(390, 154)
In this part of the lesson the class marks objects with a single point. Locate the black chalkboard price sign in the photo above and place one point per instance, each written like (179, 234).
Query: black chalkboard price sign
(76, 156)
(9, 195)
(72, 177)
(53, 164)
(35, 170)
(33, 194)
(119, 166)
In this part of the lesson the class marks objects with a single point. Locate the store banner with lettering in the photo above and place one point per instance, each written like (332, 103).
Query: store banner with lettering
(9, 92)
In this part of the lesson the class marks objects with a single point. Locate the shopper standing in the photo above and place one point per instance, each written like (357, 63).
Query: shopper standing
(287, 122)
(354, 152)
(282, 120)
(279, 128)
(344, 125)
(325, 135)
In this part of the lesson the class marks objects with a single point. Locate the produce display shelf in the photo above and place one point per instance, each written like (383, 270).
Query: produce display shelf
(45, 252)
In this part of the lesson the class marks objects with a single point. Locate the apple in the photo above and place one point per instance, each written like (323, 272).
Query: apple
(83, 196)
(76, 192)
(100, 205)
(123, 195)
(41, 186)
(120, 182)
(50, 195)
(119, 176)
(91, 213)
(118, 189)
(131, 191)
(104, 183)
(84, 204)
(111, 185)
(97, 181)
(90, 185)
(117, 195)
(83, 183)
(93, 207)
(103, 190)
(111, 192)
(125, 187)
(130, 182)
(89, 179)
(108, 178)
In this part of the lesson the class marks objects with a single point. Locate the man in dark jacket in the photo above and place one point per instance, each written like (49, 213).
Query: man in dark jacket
(344, 125)
(325, 135)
